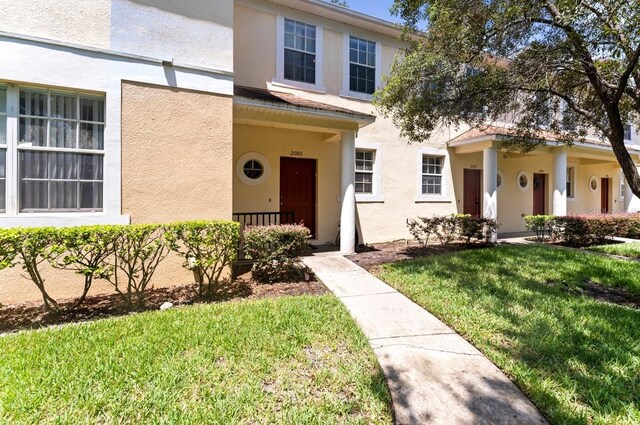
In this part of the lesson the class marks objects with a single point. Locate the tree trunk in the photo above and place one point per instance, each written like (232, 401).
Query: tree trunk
(616, 139)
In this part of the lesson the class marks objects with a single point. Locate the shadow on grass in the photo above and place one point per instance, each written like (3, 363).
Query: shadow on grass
(578, 359)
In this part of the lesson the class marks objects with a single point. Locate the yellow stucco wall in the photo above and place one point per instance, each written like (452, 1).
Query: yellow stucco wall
(176, 154)
(76, 21)
(275, 143)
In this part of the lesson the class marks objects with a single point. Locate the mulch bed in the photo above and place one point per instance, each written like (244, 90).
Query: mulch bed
(371, 256)
(33, 315)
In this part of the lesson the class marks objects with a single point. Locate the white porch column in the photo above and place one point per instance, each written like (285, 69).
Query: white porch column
(631, 201)
(559, 204)
(348, 213)
(489, 183)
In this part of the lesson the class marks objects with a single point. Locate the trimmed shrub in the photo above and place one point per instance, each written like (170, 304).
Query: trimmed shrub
(452, 227)
(277, 251)
(29, 248)
(86, 250)
(137, 251)
(542, 225)
(208, 248)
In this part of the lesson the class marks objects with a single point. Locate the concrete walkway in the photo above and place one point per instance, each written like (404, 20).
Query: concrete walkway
(435, 376)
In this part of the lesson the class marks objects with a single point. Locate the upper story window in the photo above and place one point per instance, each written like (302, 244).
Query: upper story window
(627, 132)
(299, 51)
(362, 65)
(60, 151)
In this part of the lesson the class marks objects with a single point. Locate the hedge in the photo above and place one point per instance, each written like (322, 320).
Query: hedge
(584, 230)
(126, 256)
(448, 228)
(277, 250)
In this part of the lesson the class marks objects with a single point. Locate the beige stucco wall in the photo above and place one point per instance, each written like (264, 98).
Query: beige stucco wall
(75, 21)
(275, 143)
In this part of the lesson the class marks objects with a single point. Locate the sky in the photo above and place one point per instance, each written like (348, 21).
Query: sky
(377, 8)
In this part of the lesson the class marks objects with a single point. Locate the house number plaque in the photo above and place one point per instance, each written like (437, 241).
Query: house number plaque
(297, 153)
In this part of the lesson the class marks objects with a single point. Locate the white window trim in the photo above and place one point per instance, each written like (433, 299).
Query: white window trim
(528, 176)
(256, 157)
(502, 181)
(279, 79)
(345, 92)
(575, 181)
(446, 175)
(376, 195)
(12, 217)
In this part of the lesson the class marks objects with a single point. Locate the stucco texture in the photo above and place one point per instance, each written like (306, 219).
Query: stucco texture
(76, 21)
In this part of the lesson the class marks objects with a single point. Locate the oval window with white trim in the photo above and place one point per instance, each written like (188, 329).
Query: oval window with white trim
(593, 184)
(523, 181)
(253, 168)
(499, 181)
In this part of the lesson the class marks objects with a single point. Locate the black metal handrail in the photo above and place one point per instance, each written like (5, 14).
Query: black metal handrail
(264, 218)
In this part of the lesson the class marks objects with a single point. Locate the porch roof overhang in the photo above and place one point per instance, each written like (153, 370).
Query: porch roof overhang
(264, 107)
(476, 139)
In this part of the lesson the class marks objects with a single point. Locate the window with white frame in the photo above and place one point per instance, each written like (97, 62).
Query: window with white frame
(3, 148)
(571, 182)
(627, 132)
(299, 51)
(365, 161)
(432, 174)
(362, 65)
(60, 143)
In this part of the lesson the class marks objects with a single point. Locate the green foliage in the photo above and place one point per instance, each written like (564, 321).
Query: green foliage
(277, 251)
(448, 228)
(29, 248)
(542, 225)
(137, 252)
(560, 66)
(575, 357)
(208, 248)
(289, 360)
(86, 251)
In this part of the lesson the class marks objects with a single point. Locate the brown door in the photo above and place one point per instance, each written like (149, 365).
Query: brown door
(605, 193)
(298, 190)
(539, 194)
(471, 199)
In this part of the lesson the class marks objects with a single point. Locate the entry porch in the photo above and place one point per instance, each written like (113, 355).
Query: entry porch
(584, 178)
(294, 162)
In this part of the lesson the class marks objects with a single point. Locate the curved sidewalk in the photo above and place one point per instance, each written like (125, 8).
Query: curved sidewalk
(435, 376)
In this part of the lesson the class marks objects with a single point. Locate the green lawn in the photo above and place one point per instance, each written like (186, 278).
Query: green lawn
(625, 249)
(290, 360)
(578, 359)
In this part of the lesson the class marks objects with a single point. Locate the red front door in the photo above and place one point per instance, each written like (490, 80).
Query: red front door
(605, 193)
(539, 194)
(471, 199)
(298, 190)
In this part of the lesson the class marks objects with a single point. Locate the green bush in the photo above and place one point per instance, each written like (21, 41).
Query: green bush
(277, 251)
(29, 248)
(208, 248)
(137, 251)
(452, 227)
(86, 250)
(542, 225)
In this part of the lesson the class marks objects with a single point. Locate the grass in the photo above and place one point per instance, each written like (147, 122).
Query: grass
(289, 360)
(624, 249)
(577, 359)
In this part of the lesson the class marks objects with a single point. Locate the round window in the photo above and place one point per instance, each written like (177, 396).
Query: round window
(593, 183)
(498, 181)
(253, 169)
(523, 181)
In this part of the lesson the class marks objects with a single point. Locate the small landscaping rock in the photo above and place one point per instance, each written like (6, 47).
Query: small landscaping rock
(166, 306)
